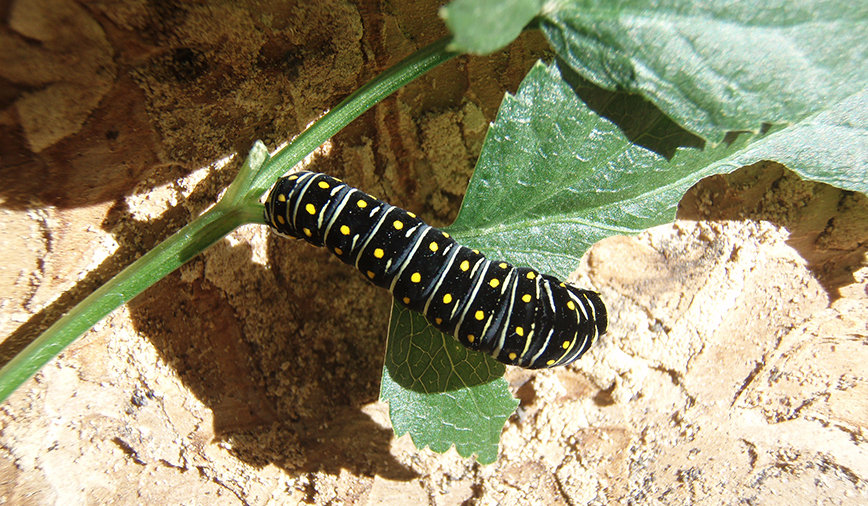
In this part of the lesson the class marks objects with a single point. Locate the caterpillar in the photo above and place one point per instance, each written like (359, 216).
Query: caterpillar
(517, 315)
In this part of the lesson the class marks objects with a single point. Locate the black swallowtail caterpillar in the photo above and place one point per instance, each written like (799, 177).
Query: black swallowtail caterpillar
(517, 315)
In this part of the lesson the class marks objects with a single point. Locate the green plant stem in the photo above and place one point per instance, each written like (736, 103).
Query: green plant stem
(135, 278)
(239, 205)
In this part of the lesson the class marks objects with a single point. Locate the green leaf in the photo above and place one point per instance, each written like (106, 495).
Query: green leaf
(554, 178)
(718, 65)
(830, 147)
(484, 26)
(441, 392)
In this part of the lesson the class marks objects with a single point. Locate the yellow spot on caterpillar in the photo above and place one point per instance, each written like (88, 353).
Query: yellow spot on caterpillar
(475, 251)
(531, 275)
(566, 344)
(433, 246)
(519, 331)
(345, 230)
(310, 208)
(438, 321)
(412, 215)
(307, 232)
(503, 265)
(526, 297)
(471, 338)
(370, 274)
(281, 220)
(571, 305)
(447, 299)
(494, 283)
(323, 185)
(445, 235)
(550, 362)
(406, 300)
(480, 315)
(513, 356)
(281, 197)
(362, 204)
(379, 253)
(398, 225)
(563, 285)
(293, 177)
(416, 277)
(339, 251)
(465, 265)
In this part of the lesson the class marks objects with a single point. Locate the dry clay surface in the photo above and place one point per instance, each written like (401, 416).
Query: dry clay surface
(733, 371)
(728, 375)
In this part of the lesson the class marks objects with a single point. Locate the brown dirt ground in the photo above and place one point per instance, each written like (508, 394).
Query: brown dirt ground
(730, 373)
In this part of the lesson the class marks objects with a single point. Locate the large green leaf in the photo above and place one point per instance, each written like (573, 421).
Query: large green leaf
(554, 178)
(713, 66)
(719, 65)
(829, 147)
